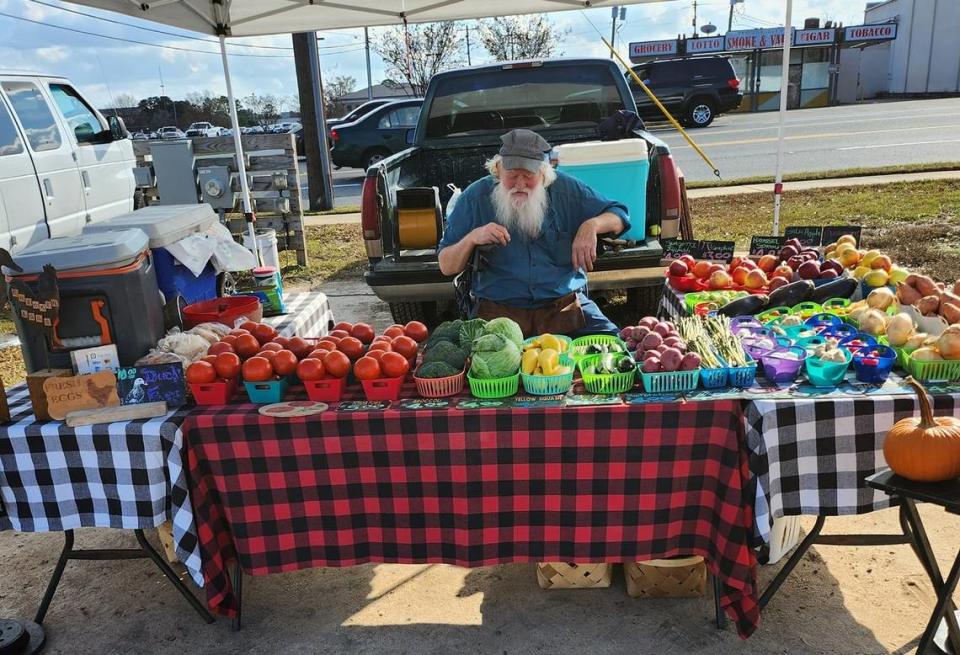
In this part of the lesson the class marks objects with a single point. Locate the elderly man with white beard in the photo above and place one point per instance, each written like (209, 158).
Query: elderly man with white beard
(543, 226)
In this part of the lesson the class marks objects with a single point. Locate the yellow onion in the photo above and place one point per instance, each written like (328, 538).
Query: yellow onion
(949, 343)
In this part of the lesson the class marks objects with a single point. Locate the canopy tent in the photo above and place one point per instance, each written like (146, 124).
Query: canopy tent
(239, 18)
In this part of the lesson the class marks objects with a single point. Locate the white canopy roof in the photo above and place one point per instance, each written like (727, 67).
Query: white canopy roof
(258, 17)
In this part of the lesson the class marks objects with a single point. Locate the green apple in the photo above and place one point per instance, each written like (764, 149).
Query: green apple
(898, 274)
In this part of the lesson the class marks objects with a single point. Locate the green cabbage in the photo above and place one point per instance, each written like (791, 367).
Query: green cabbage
(494, 357)
(506, 328)
(470, 330)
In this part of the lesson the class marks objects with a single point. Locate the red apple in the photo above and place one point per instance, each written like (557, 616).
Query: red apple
(756, 279)
(739, 275)
(734, 263)
(719, 280)
(678, 269)
(748, 264)
(701, 270)
(809, 270)
(688, 260)
(717, 267)
(768, 263)
(784, 271)
(776, 282)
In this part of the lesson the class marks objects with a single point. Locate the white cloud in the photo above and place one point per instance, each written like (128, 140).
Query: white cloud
(53, 54)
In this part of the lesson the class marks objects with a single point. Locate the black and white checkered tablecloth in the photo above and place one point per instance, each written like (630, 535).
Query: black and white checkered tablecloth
(671, 304)
(115, 475)
(308, 315)
(811, 456)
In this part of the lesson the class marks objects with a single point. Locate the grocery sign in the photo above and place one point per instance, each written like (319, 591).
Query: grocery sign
(814, 37)
(879, 32)
(640, 49)
(707, 44)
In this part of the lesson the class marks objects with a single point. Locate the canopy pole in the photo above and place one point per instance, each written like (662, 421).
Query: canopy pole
(238, 149)
(784, 88)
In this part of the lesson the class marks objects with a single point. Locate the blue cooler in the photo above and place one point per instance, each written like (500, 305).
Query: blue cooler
(617, 170)
(165, 225)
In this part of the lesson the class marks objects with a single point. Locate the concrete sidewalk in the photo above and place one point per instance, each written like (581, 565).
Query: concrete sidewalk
(713, 192)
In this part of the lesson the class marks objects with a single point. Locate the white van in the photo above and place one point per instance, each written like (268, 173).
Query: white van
(62, 164)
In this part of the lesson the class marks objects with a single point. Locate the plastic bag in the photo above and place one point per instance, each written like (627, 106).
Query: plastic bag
(228, 255)
(454, 197)
(193, 252)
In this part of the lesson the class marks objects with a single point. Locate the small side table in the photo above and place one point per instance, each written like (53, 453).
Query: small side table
(947, 495)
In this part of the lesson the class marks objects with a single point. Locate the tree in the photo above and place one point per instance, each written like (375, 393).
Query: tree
(263, 107)
(418, 52)
(508, 38)
(125, 100)
(334, 90)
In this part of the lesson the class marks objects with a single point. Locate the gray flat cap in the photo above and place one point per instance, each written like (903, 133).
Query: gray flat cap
(523, 149)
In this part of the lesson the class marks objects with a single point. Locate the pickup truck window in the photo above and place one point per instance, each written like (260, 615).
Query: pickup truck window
(10, 143)
(403, 117)
(81, 119)
(34, 115)
(535, 98)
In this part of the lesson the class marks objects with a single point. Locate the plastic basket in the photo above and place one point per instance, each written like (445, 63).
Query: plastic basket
(327, 390)
(686, 284)
(940, 370)
(837, 306)
(901, 352)
(797, 332)
(823, 320)
(214, 393)
(691, 300)
(670, 382)
(713, 378)
(383, 388)
(806, 309)
(494, 387)
(743, 376)
(839, 332)
(605, 383)
(562, 337)
(869, 341)
(593, 340)
(827, 374)
(440, 387)
(547, 385)
(781, 369)
(874, 370)
(810, 344)
(267, 392)
(772, 314)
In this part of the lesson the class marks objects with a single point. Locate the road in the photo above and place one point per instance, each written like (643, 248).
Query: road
(745, 145)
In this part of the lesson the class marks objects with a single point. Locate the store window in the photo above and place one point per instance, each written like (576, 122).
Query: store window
(770, 68)
(816, 69)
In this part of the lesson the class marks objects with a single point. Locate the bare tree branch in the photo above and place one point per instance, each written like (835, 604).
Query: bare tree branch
(508, 38)
(420, 51)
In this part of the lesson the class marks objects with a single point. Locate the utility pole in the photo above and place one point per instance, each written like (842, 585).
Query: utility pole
(469, 63)
(730, 17)
(694, 18)
(613, 28)
(310, 86)
(366, 41)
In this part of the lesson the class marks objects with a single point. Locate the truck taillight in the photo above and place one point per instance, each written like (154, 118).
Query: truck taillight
(670, 203)
(734, 84)
(334, 136)
(369, 209)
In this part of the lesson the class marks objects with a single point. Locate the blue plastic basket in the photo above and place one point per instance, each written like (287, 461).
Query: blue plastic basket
(839, 332)
(823, 320)
(713, 378)
(667, 382)
(268, 392)
(874, 370)
(743, 376)
(869, 340)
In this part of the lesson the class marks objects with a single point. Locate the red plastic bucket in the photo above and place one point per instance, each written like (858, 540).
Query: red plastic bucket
(223, 310)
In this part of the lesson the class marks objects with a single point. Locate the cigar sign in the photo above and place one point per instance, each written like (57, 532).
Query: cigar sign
(813, 37)
(653, 48)
(879, 32)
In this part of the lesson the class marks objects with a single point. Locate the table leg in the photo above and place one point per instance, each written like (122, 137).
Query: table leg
(172, 577)
(717, 608)
(238, 592)
(944, 590)
(55, 578)
(791, 564)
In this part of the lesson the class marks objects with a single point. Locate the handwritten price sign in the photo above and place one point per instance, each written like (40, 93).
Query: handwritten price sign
(150, 384)
(833, 232)
(809, 235)
(676, 248)
(765, 245)
(717, 251)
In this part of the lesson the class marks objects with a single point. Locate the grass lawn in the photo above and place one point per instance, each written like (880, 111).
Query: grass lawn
(835, 173)
(334, 251)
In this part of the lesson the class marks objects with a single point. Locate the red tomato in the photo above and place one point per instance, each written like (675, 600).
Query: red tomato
(330, 343)
(283, 341)
(201, 373)
(343, 325)
(416, 331)
(249, 326)
(319, 353)
(209, 358)
(264, 333)
(340, 334)
(381, 344)
(366, 368)
(376, 354)
(273, 345)
(336, 364)
(351, 347)
(405, 346)
(231, 339)
(394, 365)
(257, 369)
(393, 332)
(285, 363)
(227, 365)
(237, 332)
(299, 347)
(247, 345)
(267, 355)
(310, 368)
(363, 332)
(395, 325)
(220, 347)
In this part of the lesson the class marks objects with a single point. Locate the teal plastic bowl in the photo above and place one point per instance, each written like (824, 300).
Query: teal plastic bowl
(827, 374)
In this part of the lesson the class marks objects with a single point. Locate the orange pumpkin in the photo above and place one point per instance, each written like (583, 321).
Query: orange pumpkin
(924, 450)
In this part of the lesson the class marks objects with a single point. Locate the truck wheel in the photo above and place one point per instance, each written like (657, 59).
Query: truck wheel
(700, 112)
(404, 312)
(374, 156)
(645, 301)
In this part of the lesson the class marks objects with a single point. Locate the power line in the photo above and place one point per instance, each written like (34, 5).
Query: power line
(155, 45)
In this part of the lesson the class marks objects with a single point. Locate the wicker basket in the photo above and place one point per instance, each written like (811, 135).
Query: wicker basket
(561, 575)
(684, 577)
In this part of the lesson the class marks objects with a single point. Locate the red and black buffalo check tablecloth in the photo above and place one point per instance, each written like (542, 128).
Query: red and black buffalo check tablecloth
(473, 488)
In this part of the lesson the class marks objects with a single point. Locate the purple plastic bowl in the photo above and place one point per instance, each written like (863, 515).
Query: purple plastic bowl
(780, 369)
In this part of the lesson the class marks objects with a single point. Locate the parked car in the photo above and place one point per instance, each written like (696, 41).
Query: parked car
(140, 135)
(376, 136)
(282, 128)
(297, 133)
(357, 113)
(203, 128)
(694, 90)
(62, 163)
(465, 112)
(171, 132)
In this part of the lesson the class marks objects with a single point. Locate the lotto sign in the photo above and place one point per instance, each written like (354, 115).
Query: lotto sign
(708, 44)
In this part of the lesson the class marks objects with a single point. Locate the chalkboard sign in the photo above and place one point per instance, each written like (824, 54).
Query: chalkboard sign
(809, 235)
(717, 251)
(765, 245)
(675, 248)
(152, 383)
(833, 232)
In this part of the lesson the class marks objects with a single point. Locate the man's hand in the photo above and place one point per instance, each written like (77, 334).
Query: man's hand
(491, 233)
(585, 246)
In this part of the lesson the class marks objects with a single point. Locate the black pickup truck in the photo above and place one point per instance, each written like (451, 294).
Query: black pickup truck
(463, 116)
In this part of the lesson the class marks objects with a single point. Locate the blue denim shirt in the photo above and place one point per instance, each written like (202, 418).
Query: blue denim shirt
(525, 272)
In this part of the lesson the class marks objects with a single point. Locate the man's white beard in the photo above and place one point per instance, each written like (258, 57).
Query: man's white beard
(525, 212)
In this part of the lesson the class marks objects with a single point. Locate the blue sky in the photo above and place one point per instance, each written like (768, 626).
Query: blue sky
(103, 67)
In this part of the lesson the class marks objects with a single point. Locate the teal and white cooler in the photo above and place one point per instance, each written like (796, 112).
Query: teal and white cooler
(617, 170)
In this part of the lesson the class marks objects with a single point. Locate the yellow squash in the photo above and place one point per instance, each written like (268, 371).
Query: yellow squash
(549, 361)
(530, 360)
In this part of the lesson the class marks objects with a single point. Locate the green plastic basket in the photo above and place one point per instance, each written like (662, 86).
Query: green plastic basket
(773, 314)
(562, 337)
(838, 306)
(548, 385)
(900, 350)
(494, 387)
(806, 309)
(668, 382)
(691, 300)
(591, 340)
(945, 369)
(605, 383)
